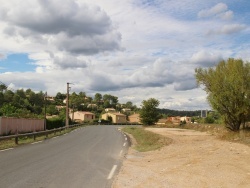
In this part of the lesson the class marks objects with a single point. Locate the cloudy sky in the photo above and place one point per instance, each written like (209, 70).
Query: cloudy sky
(132, 49)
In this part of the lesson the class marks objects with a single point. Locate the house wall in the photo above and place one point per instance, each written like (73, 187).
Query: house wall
(89, 117)
(120, 119)
(161, 122)
(116, 118)
(187, 119)
(9, 125)
(83, 116)
(105, 116)
(134, 118)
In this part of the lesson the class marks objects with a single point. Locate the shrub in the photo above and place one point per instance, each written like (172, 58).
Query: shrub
(54, 123)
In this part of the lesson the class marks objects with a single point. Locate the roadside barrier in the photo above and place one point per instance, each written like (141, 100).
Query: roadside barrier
(40, 133)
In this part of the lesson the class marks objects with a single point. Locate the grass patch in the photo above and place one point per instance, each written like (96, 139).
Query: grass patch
(146, 140)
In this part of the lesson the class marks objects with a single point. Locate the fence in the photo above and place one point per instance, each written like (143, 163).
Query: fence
(11, 125)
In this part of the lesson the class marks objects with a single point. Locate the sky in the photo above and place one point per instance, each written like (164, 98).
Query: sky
(132, 49)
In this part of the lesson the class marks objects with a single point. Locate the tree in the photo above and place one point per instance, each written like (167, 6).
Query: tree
(59, 98)
(52, 110)
(1, 99)
(8, 110)
(98, 98)
(8, 96)
(3, 87)
(110, 101)
(149, 113)
(128, 104)
(228, 89)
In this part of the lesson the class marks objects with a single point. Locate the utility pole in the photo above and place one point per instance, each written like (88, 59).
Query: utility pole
(67, 107)
(45, 111)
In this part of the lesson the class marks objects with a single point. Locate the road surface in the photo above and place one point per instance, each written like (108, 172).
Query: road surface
(88, 157)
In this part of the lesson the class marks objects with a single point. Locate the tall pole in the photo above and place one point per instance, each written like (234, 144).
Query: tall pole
(67, 107)
(45, 111)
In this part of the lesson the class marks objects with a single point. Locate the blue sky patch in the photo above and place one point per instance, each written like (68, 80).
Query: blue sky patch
(16, 63)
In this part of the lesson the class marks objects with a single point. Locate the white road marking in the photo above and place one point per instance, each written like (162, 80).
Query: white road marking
(6, 149)
(112, 172)
(36, 142)
(120, 154)
(126, 138)
(65, 134)
(124, 144)
(55, 137)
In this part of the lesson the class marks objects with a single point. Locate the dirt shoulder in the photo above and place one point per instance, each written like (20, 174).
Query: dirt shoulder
(194, 159)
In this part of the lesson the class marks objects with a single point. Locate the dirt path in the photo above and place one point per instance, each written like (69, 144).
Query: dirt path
(194, 159)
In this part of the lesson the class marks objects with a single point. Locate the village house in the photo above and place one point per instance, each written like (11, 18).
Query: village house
(162, 121)
(81, 116)
(175, 120)
(110, 110)
(134, 118)
(116, 117)
(92, 106)
(187, 119)
(126, 110)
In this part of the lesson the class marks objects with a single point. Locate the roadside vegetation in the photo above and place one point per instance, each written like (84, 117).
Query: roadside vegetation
(228, 89)
(146, 140)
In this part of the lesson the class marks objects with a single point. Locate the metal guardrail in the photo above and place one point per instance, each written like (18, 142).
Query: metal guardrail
(34, 134)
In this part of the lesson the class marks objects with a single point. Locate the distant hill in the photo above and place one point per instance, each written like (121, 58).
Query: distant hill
(169, 112)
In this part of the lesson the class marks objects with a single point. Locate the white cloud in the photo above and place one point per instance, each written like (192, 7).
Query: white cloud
(67, 26)
(129, 49)
(228, 15)
(227, 29)
(40, 70)
(81, 44)
(219, 10)
(205, 58)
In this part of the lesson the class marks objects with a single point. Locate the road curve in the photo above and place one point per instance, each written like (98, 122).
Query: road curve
(86, 158)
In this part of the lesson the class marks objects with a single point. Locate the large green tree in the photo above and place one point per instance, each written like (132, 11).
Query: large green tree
(98, 98)
(149, 113)
(228, 89)
(110, 101)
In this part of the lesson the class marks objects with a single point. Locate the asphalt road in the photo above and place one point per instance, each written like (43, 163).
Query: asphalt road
(89, 157)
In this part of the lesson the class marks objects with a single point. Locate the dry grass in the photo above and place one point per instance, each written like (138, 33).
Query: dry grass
(221, 132)
(146, 140)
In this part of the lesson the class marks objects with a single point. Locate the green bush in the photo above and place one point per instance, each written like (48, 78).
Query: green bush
(54, 123)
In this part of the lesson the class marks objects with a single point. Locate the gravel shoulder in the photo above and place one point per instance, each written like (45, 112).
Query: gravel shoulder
(193, 159)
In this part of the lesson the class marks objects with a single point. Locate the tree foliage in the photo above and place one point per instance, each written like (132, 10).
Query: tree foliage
(149, 113)
(228, 89)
